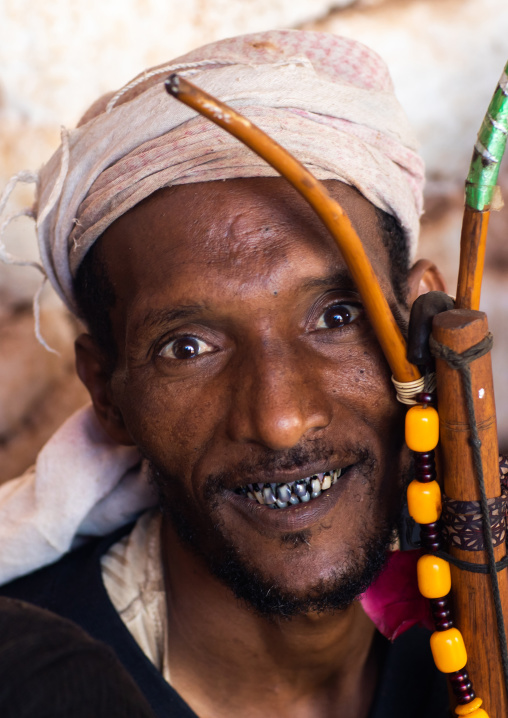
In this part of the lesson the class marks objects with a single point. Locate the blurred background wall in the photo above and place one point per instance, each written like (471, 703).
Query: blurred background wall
(55, 59)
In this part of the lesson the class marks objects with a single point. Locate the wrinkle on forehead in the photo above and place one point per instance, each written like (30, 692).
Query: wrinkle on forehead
(240, 232)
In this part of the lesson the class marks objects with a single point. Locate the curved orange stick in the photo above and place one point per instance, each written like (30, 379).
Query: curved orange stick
(330, 212)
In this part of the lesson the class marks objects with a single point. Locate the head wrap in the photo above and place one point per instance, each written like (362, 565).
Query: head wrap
(327, 99)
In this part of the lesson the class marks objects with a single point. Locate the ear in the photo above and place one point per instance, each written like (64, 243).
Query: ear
(424, 277)
(95, 372)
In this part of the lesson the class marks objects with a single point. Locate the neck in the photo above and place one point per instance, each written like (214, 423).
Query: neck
(226, 660)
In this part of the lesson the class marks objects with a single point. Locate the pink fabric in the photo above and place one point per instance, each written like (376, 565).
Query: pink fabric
(393, 602)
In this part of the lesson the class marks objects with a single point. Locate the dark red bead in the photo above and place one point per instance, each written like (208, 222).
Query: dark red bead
(425, 477)
(459, 677)
(421, 470)
(462, 687)
(424, 398)
(431, 546)
(425, 467)
(440, 603)
(424, 457)
(466, 698)
(441, 613)
(433, 527)
(443, 625)
(430, 536)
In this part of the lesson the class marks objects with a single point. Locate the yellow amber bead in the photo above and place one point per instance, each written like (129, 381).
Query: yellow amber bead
(448, 650)
(422, 428)
(434, 577)
(424, 501)
(469, 707)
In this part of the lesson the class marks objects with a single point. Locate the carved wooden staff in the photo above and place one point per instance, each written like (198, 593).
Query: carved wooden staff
(448, 331)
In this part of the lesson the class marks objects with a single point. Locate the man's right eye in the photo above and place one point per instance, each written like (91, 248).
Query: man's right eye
(186, 347)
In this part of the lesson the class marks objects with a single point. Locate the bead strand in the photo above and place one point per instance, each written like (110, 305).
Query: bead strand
(434, 576)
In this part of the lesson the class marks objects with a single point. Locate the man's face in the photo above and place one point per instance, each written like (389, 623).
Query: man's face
(246, 360)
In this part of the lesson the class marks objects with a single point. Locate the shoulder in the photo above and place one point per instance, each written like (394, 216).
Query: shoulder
(409, 682)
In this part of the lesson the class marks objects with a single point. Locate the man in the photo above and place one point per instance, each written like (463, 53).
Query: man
(228, 343)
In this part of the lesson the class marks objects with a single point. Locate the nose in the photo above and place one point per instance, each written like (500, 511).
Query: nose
(278, 399)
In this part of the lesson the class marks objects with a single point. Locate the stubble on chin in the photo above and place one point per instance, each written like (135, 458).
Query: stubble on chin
(207, 537)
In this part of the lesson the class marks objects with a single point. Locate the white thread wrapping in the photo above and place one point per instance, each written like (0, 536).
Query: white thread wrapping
(503, 83)
(407, 390)
(483, 151)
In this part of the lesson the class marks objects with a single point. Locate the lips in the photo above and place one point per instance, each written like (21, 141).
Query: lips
(294, 517)
(285, 495)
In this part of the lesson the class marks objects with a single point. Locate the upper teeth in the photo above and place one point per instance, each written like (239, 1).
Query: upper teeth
(283, 495)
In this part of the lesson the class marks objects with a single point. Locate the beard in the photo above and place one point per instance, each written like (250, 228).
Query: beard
(206, 535)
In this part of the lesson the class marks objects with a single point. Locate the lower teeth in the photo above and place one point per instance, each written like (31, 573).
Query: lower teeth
(283, 495)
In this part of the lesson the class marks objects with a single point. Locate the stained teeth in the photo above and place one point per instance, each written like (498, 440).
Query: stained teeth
(284, 493)
(300, 490)
(276, 495)
(268, 496)
(259, 497)
(327, 482)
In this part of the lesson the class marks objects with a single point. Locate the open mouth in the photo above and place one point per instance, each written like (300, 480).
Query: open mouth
(281, 496)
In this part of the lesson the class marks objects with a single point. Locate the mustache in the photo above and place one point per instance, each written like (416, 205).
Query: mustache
(253, 469)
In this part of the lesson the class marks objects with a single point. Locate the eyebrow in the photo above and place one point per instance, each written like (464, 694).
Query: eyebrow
(340, 280)
(155, 318)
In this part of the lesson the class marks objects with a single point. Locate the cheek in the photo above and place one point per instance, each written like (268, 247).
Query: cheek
(362, 380)
(171, 422)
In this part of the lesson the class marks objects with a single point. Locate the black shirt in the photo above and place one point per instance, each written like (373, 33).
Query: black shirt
(409, 684)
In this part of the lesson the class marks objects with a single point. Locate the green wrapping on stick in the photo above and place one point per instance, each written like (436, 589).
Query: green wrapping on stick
(489, 149)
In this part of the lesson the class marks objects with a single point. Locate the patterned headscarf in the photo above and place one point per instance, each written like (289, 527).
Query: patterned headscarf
(327, 99)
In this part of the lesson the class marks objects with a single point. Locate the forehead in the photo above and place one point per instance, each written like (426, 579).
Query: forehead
(249, 230)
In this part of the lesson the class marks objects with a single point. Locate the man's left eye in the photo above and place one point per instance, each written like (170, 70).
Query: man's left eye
(185, 348)
(338, 315)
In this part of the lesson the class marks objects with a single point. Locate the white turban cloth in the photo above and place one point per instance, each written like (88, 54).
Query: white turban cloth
(326, 99)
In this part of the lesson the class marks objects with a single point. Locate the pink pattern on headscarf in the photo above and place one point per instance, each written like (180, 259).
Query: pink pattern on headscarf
(328, 100)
